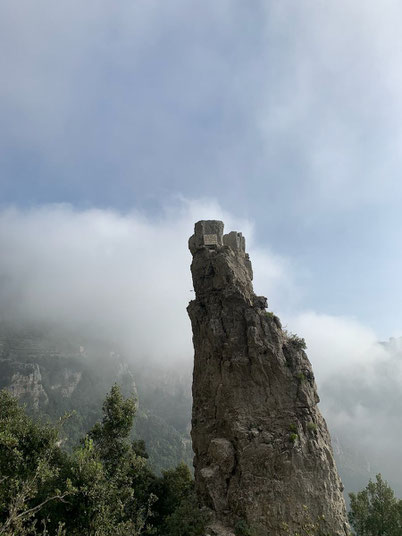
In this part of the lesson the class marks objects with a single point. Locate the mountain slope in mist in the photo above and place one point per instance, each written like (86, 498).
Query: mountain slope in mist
(54, 373)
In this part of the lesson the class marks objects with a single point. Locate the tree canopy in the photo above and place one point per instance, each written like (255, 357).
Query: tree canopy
(104, 487)
(375, 511)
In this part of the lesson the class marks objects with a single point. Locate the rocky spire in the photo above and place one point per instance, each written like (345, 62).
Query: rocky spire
(263, 456)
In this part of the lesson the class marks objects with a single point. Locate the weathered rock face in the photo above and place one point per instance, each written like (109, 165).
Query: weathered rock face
(263, 454)
(25, 382)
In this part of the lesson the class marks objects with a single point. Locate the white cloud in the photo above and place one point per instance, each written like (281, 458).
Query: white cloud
(334, 97)
(335, 343)
(359, 382)
(119, 276)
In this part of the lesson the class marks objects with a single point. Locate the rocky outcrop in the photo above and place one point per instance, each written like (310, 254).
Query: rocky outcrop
(263, 457)
(25, 383)
(69, 379)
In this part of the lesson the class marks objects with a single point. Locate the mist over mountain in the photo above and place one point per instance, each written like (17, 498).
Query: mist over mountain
(110, 275)
(123, 283)
(56, 373)
(363, 404)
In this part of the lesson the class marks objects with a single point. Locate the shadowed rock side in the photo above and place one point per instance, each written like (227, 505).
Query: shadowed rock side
(263, 456)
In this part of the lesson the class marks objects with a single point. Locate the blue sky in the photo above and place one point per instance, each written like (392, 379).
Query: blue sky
(286, 114)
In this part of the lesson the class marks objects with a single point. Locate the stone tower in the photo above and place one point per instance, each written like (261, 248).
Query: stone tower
(263, 456)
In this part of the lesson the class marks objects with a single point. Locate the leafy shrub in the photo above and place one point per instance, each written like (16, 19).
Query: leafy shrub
(295, 341)
(293, 437)
(301, 377)
(311, 426)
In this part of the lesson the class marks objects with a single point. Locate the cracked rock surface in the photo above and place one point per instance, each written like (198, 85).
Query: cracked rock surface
(263, 455)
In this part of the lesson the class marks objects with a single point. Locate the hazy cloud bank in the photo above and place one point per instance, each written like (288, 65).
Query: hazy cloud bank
(126, 278)
(359, 380)
(112, 275)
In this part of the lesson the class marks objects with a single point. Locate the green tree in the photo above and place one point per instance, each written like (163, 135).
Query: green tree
(112, 476)
(103, 488)
(176, 509)
(110, 436)
(30, 465)
(375, 511)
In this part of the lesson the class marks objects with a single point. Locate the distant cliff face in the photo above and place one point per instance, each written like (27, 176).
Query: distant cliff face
(263, 457)
(24, 381)
(37, 370)
(56, 372)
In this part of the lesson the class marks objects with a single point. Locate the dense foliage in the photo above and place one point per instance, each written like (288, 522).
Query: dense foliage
(375, 511)
(104, 487)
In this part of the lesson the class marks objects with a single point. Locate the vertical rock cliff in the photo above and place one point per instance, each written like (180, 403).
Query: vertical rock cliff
(263, 457)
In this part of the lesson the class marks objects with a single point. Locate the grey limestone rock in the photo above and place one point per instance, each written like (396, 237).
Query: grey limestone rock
(263, 455)
(25, 382)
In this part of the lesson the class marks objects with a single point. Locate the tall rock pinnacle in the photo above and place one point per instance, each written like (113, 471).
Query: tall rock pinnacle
(263, 456)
